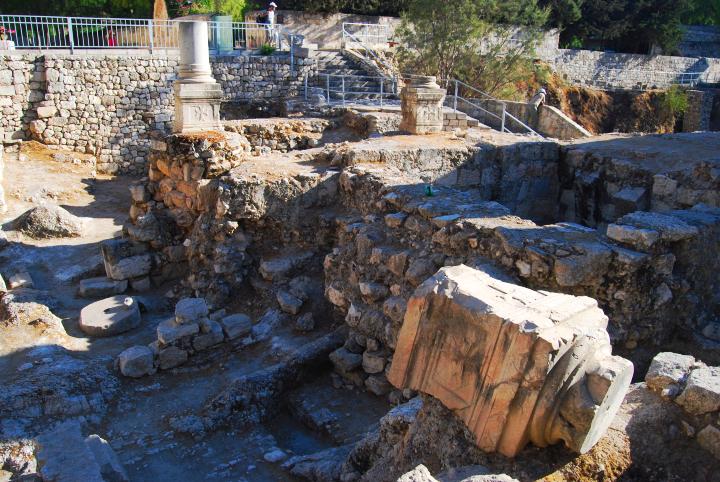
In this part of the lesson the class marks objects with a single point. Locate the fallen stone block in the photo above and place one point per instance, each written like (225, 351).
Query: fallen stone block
(516, 365)
(236, 325)
(702, 391)
(136, 361)
(49, 221)
(289, 303)
(172, 357)
(378, 384)
(668, 369)
(212, 334)
(110, 317)
(125, 260)
(344, 360)
(101, 287)
(140, 284)
(110, 467)
(373, 362)
(282, 267)
(169, 332)
(189, 310)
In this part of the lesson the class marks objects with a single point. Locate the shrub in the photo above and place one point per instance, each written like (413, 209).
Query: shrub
(267, 49)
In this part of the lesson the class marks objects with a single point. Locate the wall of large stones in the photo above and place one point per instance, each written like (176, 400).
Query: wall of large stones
(608, 70)
(108, 105)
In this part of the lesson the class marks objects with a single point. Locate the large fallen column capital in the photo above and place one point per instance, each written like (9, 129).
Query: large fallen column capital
(516, 365)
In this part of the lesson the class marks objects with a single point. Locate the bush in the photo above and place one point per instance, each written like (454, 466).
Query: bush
(267, 49)
(675, 101)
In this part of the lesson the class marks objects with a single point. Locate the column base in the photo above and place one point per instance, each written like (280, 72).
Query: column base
(197, 107)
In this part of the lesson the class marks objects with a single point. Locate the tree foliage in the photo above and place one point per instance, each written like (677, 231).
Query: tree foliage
(473, 40)
(79, 8)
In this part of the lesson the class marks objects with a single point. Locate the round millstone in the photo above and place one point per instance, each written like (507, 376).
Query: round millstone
(110, 316)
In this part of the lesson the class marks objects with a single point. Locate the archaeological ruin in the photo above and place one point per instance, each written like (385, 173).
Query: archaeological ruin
(215, 269)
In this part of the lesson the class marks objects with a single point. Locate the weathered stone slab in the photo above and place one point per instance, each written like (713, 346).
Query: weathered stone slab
(102, 286)
(168, 331)
(668, 369)
(516, 365)
(110, 316)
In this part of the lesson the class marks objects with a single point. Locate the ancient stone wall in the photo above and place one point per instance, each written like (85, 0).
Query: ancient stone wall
(612, 71)
(108, 105)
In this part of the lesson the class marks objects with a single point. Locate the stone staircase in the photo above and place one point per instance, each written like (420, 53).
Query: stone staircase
(360, 84)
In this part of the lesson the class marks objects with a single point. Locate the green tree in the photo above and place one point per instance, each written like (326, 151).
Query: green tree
(79, 8)
(563, 12)
(702, 12)
(476, 41)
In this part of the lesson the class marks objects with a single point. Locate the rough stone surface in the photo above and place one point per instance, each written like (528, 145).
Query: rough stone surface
(63, 456)
(289, 303)
(668, 369)
(702, 391)
(168, 331)
(510, 392)
(49, 221)
(236, 325)
(709, 439)
(136, 361)
(190, 310)
(110, 467)
(172, 357)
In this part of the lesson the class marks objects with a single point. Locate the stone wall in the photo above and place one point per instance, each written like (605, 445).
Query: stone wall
(107, 105)
(608, 70)
(700, 41)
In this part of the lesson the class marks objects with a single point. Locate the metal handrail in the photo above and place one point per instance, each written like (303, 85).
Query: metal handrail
(381, 35)
(374, 55)
(343, 91)
(55, 32)
(503, 118)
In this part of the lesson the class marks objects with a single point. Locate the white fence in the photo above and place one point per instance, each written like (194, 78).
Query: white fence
(47, 33)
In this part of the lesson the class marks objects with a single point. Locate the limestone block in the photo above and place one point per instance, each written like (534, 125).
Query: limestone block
(702, 391)
(102, 286)
(236, 325)
(668, 369)
(110, 316)
(289, 303)
(212, 334)
(136, 361)
(105, 457)
(639, 238)
(516, 365)
(168, 331)
(172, 357)
(345, 361)
(131, 267)
(189, 310)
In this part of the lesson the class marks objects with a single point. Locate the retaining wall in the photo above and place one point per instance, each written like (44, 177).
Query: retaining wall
(107, 104)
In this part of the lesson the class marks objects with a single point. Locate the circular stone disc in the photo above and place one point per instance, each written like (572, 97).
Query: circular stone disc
(109, 317)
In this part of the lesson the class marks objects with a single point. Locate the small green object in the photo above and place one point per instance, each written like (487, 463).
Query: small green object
(429, 190)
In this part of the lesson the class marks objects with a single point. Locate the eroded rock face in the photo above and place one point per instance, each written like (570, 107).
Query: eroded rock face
(49, 221)
(516, 365)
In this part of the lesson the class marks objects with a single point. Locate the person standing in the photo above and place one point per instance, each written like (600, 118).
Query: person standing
(272, 30)
(5, 44)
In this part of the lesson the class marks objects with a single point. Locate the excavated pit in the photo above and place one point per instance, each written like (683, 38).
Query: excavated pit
(324, 219)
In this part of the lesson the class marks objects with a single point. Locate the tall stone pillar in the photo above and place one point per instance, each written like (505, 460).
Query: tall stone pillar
(197, 94)
(422, 106)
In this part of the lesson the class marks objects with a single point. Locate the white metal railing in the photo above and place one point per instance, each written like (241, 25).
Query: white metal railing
(72, 33)
(508, 122)
(369, 54)
(366, 33)
(341, 89)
